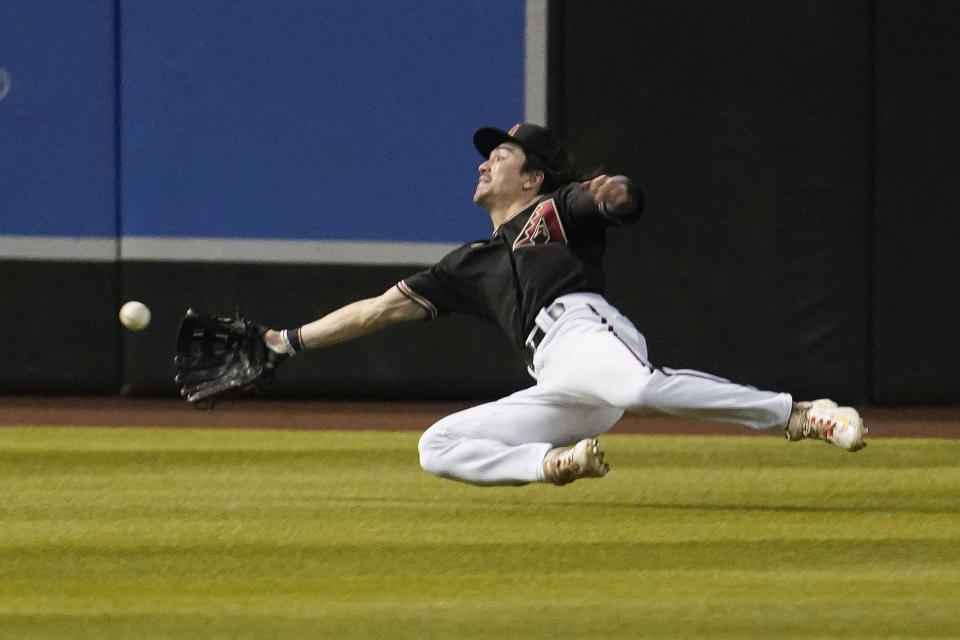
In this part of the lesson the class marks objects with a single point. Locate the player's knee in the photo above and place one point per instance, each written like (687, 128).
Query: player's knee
(430, 447)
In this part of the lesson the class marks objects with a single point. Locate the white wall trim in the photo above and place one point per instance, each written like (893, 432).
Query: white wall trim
(282, 251)
(535, 62)
(59, 248)
(240, 250)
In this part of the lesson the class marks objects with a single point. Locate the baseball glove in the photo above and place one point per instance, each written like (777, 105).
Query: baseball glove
(217, 356)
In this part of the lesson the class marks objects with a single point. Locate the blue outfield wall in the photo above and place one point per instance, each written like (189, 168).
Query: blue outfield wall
(57, 119)
(313, 120)
(250, 119)
(178, 126)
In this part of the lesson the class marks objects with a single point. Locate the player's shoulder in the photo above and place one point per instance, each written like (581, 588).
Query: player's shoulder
(459, 253)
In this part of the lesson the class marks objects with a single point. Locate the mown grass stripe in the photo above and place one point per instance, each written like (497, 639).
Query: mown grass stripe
(120, 533)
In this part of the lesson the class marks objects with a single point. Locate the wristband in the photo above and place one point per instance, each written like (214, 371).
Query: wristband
(292, 340)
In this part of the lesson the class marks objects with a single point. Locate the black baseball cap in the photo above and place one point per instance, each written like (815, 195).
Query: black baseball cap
(532, 138)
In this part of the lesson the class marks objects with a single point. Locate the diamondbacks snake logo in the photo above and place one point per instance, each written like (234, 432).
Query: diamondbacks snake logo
(543, 226)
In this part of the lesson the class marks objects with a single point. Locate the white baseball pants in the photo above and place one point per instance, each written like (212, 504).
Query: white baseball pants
(590, 367)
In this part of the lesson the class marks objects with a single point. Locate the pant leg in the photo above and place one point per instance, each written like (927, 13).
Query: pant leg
(591, 366)
(699, 396)
(504, 442)
(600, 357)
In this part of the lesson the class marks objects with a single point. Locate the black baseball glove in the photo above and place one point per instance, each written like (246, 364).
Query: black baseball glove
(219, 355)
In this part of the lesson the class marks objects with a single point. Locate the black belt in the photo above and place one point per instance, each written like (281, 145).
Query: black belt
(536, 336)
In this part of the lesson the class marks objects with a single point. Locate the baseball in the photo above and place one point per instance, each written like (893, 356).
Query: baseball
(134, 315)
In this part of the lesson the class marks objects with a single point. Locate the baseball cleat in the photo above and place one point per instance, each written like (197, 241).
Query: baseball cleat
(583, 460)
(824, 420)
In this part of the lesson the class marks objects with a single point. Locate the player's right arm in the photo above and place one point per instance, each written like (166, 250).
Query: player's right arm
(616, 197)
(348, 322)
(605, 200)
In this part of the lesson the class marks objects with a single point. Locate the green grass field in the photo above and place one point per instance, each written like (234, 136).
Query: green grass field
(167, 533)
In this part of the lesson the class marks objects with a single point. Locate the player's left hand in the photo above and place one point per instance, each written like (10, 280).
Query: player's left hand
(274, 341)
(217, 355)
(609, 193)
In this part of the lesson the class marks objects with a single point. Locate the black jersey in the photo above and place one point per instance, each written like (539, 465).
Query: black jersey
(552, 248)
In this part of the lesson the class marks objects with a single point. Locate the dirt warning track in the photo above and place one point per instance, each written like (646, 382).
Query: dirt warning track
(942, 422)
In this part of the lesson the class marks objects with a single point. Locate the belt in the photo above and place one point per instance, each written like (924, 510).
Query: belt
(553, 312)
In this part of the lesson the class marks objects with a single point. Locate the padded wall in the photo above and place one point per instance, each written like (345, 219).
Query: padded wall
(57, 177)
(313, 120)
(748, 125)
(916, 248)
(161, 124)
(798, 160)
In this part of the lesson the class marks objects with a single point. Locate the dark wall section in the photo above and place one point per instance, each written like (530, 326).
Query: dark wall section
(453, 358)
(59, 327)
(748, 125)
(917, 234)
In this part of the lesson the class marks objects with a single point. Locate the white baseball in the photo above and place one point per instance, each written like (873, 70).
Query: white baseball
(134, 315)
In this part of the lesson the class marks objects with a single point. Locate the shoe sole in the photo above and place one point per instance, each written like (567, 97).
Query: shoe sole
(595, 464)
(860, 430)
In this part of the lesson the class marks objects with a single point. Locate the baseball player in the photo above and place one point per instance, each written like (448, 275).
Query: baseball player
(539, 277)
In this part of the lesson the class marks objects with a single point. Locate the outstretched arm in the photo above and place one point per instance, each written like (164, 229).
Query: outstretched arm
(349, 322)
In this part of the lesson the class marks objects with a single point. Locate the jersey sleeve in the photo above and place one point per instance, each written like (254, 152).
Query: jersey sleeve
(421, 282)
(578, 207)
(434, 289)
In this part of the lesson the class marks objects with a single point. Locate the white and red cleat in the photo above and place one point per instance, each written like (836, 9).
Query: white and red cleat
(824, 420)
(582, 460)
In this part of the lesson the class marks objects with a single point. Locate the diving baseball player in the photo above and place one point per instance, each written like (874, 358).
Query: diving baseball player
(539, 277)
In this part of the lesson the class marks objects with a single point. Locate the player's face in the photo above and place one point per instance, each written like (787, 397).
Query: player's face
(501, 178)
